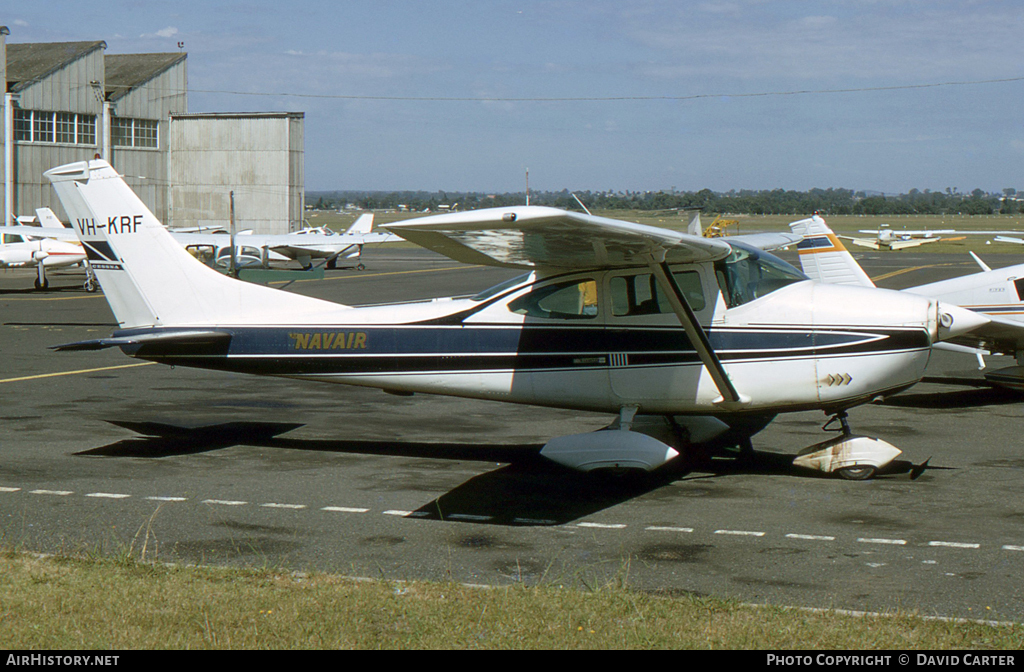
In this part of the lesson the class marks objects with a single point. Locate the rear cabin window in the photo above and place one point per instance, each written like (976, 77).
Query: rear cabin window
(575, 300)
(640, 295)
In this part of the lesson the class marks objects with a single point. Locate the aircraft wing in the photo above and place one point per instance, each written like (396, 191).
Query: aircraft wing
(310, 241)
(914, 242)
(768, 241)
(536, 236)
(864, 242)
(62, 233)
(283, 241)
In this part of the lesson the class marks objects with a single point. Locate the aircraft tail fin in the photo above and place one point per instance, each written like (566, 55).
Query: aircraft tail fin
(147, 277)
(47, 219)
(694, 228)
(363, 224)
(823, 256)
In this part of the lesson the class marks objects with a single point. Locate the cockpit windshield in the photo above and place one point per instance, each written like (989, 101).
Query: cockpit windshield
(749, 273)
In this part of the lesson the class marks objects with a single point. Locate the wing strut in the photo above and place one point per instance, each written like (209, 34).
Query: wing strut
(730, 399)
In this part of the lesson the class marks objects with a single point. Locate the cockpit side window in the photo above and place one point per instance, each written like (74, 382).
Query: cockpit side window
(640, 295)
(574, 300)
(748, 274)
(1019, 284)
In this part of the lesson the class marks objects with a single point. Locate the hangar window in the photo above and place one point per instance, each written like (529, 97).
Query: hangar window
(86, 129)
(42, 126)
(23, 125)
(65, 127)
(574, 300)
(54, 127)
(127, 132)
(121, 132)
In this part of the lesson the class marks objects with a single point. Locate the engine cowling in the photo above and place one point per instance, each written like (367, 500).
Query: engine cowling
(16, 257)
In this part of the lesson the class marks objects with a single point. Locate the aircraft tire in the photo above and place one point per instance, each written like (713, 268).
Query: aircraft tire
(861, 473)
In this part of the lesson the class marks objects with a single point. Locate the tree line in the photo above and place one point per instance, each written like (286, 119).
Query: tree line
(753, 202)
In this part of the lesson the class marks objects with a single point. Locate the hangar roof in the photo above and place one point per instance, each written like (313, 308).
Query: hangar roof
(30, 63)
(124, 72)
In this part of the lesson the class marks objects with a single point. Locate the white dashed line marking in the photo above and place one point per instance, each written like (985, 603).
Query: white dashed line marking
(468, 517)
(891, 542)
(740, 533)
(953, 544)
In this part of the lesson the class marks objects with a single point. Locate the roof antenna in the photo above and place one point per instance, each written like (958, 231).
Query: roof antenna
(581, 204)
(527, 186)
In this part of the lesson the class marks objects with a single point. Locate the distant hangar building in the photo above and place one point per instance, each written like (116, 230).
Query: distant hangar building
(70, 101)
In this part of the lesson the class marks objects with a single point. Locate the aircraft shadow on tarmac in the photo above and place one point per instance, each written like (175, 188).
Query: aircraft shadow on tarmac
(969, 393)
(526, 489)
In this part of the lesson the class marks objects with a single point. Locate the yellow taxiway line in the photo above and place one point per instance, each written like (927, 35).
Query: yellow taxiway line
(73, 373)
(886, 276)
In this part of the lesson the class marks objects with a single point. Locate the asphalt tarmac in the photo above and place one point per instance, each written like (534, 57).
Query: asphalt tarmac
(102, 453)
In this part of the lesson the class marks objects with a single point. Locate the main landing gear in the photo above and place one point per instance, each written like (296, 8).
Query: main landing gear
(849, 456)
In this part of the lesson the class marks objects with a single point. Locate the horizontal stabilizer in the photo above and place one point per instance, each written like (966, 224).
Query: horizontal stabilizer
(192, 337)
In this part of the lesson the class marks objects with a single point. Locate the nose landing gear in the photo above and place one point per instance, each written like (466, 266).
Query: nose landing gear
(849, 456)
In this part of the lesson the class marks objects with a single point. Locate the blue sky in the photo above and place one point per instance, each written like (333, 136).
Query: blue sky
(670, 85)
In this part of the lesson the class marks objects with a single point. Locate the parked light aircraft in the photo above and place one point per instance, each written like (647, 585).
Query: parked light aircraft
(997, 294)
(40, 247)
(253, 249)
(887, 239)
(711, 337)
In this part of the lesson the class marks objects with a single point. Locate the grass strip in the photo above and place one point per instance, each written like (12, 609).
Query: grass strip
(64, 603)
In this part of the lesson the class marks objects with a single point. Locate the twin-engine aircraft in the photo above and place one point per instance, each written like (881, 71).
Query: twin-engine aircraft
(305, 246)
(43, 247)
(889, 239)
(997, 296)
(710, 338)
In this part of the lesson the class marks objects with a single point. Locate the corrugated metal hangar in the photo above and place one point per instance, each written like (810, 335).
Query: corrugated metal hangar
(70, 101)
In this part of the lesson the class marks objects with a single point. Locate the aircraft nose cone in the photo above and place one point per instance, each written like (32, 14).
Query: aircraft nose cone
(954, 321)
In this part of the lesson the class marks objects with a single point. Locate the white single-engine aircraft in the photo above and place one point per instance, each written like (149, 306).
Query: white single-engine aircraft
(710, 335)
(996, 294)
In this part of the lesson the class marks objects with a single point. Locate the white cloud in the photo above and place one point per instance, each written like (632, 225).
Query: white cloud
(170, 31)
